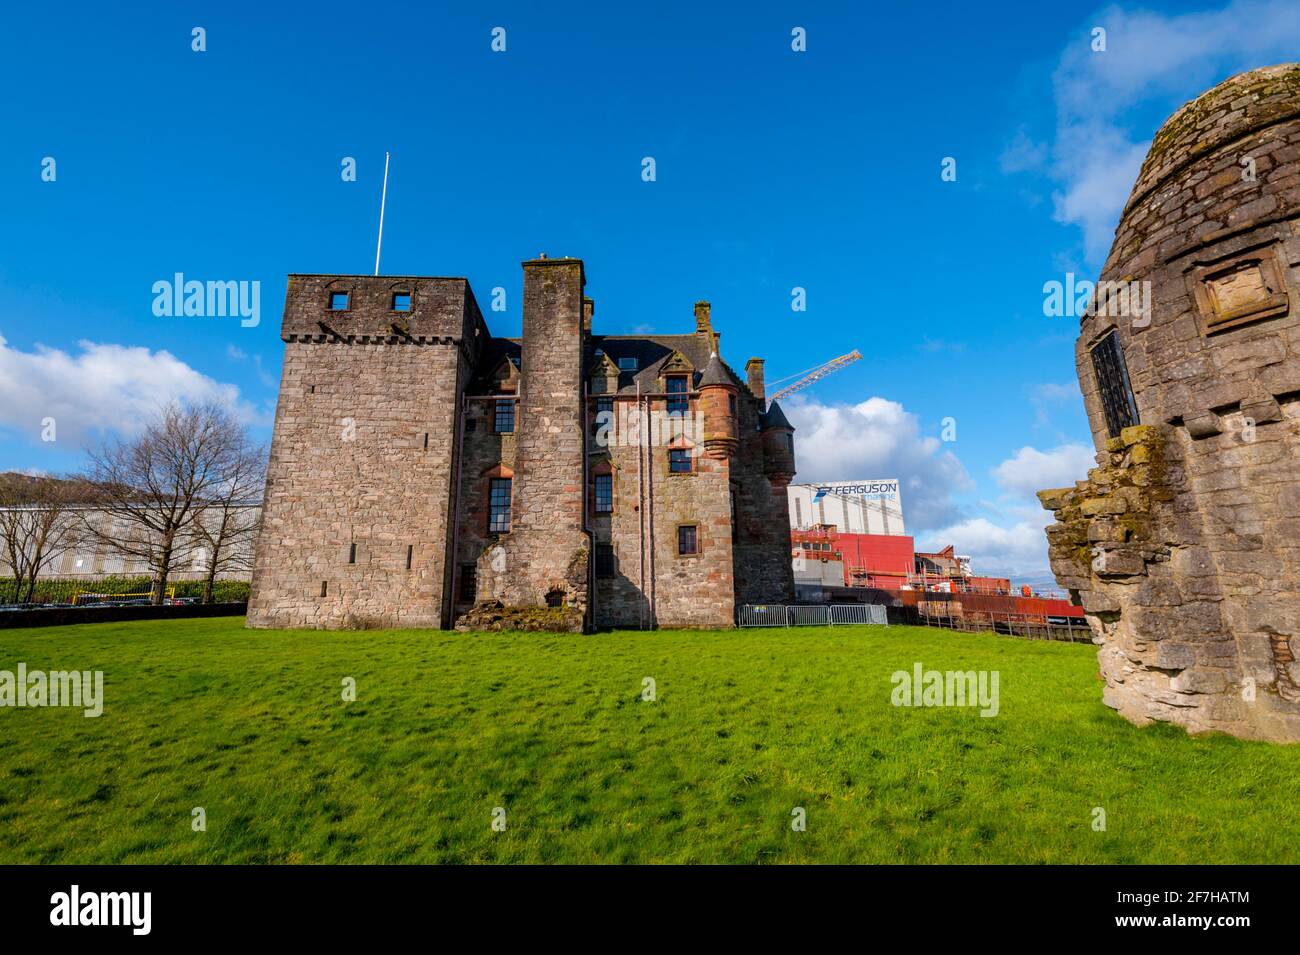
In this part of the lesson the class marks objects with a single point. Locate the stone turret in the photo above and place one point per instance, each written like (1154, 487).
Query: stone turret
(718, 405)
(778, 447)
(1182, 543)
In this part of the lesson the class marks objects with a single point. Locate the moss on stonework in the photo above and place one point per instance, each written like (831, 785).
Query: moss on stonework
(492, 615)
(1120, 494)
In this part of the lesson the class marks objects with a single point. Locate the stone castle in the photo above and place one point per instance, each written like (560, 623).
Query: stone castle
(424, 473)
(1183, 542)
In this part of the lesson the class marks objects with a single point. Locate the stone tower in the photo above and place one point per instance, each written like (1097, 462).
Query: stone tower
(544, 560)
(355, 526)
(1183, 543)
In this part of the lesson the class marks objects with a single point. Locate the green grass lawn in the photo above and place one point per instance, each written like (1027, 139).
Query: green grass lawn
(747, 725)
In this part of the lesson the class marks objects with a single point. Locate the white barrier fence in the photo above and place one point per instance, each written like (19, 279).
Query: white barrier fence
(811, 615)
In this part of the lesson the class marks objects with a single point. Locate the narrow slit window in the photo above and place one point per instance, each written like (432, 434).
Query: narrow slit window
(1113, 388)
(324, 586)
(605, 565)
(352, 554)
(499, 506)
(468, 583)
(410, 554)
(505, 416)
(604, 493)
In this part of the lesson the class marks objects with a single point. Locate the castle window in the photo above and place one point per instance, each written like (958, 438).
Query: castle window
(468, 582)
(605, 406)
(687, 540)
(605, 566)
(604, 493)
(678, 403)
(499, 506)
(731, 404)
(339, 301)
(504, 422)
(679, 460)
(401, 301)
(352, 554)
(410, 554)
(1113, 388)
(627, 364)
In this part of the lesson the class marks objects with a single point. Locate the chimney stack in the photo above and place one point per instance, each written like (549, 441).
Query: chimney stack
(588, 310)
(702, 324)
(754, 374)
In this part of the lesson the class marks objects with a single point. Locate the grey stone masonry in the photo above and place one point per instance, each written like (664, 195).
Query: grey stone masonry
(426, 474)
(1183, 542)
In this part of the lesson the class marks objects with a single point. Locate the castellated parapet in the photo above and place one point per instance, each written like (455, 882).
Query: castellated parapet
(425, 473)
(1183, 543)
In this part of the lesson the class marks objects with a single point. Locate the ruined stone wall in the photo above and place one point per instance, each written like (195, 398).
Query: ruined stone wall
(362, 455)
(546, 552)
(1183, 543)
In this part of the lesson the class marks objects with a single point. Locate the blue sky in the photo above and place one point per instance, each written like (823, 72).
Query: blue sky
(775, 169)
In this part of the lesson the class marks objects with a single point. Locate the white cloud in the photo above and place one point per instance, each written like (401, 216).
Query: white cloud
(1018, 551)
(1152, 61)
(1016, 546)
(1022, 154)
(878, 438)
(1031, 470)
(100, 388)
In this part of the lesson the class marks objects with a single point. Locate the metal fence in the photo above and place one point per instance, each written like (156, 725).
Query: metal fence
(860, 613)
(1035, 627)
(810, 615)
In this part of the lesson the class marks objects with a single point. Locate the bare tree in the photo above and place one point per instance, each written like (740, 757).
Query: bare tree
(151, 487)
(226, 526)
(36, 526)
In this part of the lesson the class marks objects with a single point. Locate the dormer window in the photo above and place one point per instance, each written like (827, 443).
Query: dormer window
(401, 301)
(339, 301)
(627, 364)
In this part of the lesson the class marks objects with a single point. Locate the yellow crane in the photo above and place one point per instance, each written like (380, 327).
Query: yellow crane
(814, 374)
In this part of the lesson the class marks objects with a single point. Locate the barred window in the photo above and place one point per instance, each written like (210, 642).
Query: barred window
(687, 540)
(679, 460)
(468, 582)
(678, 403)
(499, 506)
(505, 416)
(1113, 386)
(604, 493)
(605, 566)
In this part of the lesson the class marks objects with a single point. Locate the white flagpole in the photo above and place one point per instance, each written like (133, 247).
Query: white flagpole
(383, 199)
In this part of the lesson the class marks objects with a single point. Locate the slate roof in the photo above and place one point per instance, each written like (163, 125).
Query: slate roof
(650, 351)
